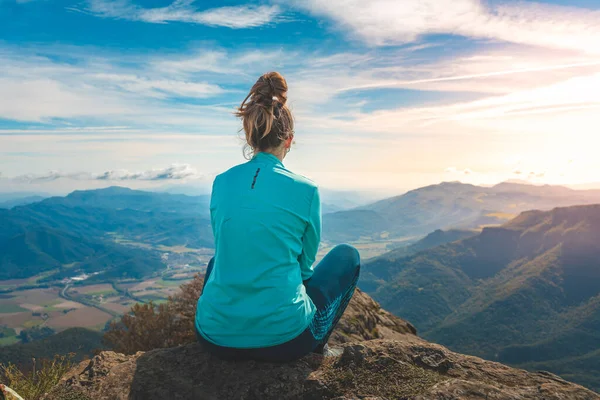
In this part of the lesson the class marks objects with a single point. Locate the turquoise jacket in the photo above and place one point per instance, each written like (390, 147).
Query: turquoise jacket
(267, 226)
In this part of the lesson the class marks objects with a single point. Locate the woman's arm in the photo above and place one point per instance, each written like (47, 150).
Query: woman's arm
(213, 206)
(311, 238)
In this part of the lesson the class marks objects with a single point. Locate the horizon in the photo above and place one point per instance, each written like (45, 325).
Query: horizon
(142, 95)
(367, 196)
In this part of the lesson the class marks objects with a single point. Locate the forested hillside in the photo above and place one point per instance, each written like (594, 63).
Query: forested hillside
(526, 293)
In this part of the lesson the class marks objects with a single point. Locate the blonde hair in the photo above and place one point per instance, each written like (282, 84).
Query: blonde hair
(266, 119)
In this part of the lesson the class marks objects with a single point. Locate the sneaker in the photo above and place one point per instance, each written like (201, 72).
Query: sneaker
(326, 351)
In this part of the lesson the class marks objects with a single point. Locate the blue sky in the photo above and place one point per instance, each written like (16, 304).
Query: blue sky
(387, 95)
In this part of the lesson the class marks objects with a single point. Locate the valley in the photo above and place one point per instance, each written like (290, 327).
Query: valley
(525, 293)
(471, 267)
(84, 301)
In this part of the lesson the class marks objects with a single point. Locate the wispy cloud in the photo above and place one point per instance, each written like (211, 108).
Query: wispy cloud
(41, 97)
(91, 86)
(384, 22)
(152, 91)
(237, 17)
(161, 88)
(206, 60)
(529, 174)
(516, 112)
(174, 172)
(491, 74)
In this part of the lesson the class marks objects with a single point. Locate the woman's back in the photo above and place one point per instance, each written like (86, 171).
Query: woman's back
(263, 299)
(267, 224)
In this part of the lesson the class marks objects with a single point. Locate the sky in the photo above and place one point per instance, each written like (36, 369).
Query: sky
(387, 95)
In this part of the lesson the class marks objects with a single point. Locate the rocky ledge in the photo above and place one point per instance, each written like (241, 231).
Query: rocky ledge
(382, 358)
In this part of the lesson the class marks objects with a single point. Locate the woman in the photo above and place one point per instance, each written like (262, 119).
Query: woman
(263, 299)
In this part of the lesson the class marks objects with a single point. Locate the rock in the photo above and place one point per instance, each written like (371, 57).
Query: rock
(352, 356)
(364, 319)
(378, 369)
(102, 378)
(433, 359)
(382, 358)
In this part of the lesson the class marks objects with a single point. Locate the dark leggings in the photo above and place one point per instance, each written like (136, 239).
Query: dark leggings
(330, 288)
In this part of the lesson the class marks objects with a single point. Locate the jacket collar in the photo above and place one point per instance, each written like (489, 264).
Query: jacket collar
(267, 158)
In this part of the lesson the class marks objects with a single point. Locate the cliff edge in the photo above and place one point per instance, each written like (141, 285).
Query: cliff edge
(382, 358)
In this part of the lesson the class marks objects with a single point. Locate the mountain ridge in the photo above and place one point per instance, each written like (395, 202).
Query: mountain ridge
(448, 205)
(88, 223)
(534, 279)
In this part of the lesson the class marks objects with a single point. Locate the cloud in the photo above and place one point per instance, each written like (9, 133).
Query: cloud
(454, 170)
(174, 172)
(218, 63)
(534, 174)
(383, 22)
(237, 17)
(159, 89)
(491, 74)
(570, 103)
(163, 87)
(40, 98)
(530, 174)
(104, 87)
(49, 177)
(204, 61)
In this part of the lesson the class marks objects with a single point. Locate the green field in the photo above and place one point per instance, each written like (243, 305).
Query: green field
(49, 306)
(172, 283)
(105, 293)
(7, 341)
(9, 308)
(156, 298)
(32, 322)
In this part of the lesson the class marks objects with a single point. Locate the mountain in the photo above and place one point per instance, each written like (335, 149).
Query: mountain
(85, 227)
(371, 278)
(380, 358)
(327, 208)
(345, 199)
(333, 200)
(584, 186)
(15, 196)
(121, 198)
(448, 205)
(44, 249)
(526, 293)
(200, 188)
(434, 239)
(21, 201)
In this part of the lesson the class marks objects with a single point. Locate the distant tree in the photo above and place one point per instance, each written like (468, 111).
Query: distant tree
(183, 305)
(150, 326)
(35, 333)
(23, 337)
